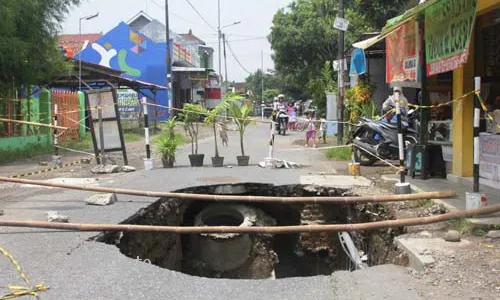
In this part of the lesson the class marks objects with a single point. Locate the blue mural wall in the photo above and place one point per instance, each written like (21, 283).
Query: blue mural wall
(139, 57)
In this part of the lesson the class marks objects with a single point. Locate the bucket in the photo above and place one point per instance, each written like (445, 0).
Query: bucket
(149, 164)
(473, 200)
(354, 169)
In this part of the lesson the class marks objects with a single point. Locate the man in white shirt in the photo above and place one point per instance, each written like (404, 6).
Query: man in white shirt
(391, 101)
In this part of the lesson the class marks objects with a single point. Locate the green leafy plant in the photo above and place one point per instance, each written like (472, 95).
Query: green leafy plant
(241, 112)
(318, 87)
(192, 118)
(167, 143)
(214, 119)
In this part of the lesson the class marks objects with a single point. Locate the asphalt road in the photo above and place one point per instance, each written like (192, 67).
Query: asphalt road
(75, 268)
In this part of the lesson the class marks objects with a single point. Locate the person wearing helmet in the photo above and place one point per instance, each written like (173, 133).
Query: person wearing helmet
(397, 94)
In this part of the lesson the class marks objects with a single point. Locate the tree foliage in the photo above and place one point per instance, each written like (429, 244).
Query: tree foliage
(28, 40)
(303, 38)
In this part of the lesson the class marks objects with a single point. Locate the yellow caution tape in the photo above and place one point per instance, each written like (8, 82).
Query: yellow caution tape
(76, 162)
(444, 103)
(20, 291)
(486, 112)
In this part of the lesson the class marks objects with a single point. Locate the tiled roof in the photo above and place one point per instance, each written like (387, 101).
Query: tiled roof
(192, 38)
(75, 41)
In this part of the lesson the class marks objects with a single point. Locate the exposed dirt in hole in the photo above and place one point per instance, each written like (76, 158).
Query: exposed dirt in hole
(270, 256)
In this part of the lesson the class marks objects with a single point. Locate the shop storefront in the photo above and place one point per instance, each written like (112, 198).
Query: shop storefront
(461, 41)
(483, 61)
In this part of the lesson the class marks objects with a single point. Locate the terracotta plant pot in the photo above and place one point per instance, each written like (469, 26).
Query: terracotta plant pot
(243, 160)
(196, 160)
(218, 162)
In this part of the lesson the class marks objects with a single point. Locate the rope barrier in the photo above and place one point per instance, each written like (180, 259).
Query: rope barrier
(239, 198)
(76, 162)
(33, 123)
(258, 229)
(20, 291)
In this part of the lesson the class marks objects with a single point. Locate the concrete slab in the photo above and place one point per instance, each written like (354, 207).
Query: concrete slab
(420, 250)
(342, 181)
(375, 283)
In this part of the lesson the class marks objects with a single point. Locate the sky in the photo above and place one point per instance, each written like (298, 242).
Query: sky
(246, 39)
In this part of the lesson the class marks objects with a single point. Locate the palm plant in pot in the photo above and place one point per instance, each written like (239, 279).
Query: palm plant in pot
(192, 118)
(241, 113)
(218, 126)
(167, 144)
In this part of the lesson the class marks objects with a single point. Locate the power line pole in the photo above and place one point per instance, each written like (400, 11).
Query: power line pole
(340, 127)
(262, 74)
(219, 38)
(167, 59)
(225, 59)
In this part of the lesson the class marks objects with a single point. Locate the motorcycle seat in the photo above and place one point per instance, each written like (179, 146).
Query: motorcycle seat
(389, 125)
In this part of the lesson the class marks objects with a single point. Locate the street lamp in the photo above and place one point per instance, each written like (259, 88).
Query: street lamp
(80, 56)
(220, 36)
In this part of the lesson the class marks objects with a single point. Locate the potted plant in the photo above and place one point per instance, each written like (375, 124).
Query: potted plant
(192, 118)
(167, 144)
(213, 119)
(241, 112)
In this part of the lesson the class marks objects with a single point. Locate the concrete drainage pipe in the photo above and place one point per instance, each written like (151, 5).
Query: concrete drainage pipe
(225, 251)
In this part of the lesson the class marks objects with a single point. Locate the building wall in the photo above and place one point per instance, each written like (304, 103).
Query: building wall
(463, 110)
(376, 68)
(139, 57)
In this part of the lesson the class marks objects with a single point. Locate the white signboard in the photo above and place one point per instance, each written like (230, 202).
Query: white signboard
(341, 24)
(336, 65)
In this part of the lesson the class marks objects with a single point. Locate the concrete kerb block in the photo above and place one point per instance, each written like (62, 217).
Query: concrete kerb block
(417, 261)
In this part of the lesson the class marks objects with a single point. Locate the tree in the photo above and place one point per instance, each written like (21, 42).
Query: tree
(303, 38)
(28, 41)
(270, 94)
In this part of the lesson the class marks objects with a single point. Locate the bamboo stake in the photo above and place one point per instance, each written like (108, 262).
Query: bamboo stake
(33, 123)
(258, 229)
(239, 198)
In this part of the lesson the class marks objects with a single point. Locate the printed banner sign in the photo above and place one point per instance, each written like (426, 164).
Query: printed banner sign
(402, 59)
(489, 157)
(448, 30)
(128, 104)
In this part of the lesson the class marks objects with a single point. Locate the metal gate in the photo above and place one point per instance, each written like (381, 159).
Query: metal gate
(68, 115)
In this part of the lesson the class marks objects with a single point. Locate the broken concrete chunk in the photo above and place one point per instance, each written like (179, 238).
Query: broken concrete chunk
(493, 234)
(101, 199)
(127, 169)
(54, 216)
(105, 169)
(452, 236)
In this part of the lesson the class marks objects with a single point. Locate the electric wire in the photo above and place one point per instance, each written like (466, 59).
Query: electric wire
(200, 15)
(236, 58)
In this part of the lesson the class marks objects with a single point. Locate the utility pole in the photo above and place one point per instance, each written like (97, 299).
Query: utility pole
(167, 60)
(219, 35)
(340, 102)
(225, 59)
(262, 74)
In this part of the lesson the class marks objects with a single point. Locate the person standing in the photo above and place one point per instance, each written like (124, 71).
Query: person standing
(311, 130)
(292, 116)
(322, 129)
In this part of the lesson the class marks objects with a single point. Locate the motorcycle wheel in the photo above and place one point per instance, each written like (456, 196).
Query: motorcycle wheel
(363, 158)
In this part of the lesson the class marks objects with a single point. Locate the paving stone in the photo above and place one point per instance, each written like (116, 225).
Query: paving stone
(54, 216)
(452, 236)
(101, 199)
(127, 169)
(493, 234)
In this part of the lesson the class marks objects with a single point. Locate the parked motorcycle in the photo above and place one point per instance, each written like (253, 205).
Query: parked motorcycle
(374, 138)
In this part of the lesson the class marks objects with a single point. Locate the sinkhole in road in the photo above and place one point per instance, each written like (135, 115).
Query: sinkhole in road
(256, 256)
